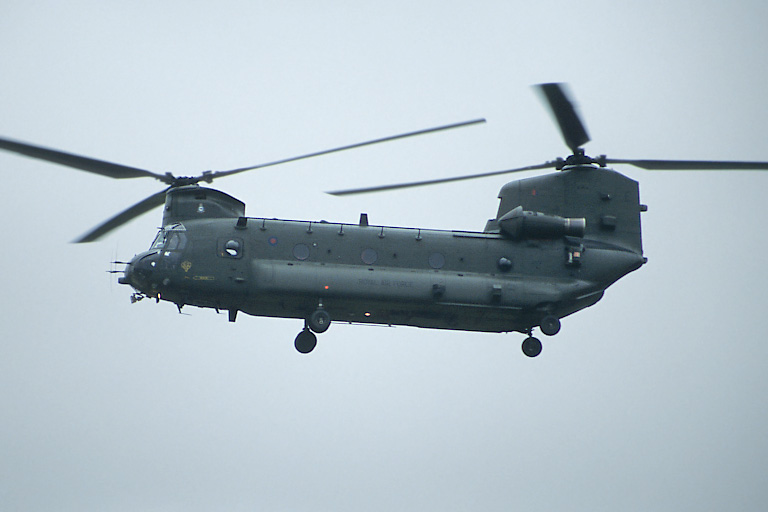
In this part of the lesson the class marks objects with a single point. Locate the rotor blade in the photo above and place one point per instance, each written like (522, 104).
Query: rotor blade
(692, 165)
(571, 127)
(220, 174)
(83, 163)
(396, 186)
(121, 218)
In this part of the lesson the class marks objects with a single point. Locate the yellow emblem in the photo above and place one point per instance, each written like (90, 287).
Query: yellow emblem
(186, 265)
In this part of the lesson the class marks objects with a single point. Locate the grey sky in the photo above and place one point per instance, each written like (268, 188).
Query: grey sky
(654, 399)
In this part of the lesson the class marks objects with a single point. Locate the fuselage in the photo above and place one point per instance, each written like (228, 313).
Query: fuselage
(473, 281)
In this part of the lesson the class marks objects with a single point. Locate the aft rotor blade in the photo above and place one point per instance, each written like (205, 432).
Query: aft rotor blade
(220, 174)
(438, 181)
(83, 163)
(118, 220)
(571, 127)
(692, 165)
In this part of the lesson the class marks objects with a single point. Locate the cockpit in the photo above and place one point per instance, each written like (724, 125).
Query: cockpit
(147, 271)
(170, 238)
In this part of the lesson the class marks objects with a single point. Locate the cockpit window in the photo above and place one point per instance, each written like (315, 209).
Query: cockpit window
(169, 241)
(175, 242)
(159, 241)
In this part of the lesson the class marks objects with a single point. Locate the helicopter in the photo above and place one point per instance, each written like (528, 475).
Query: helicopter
(556, 243)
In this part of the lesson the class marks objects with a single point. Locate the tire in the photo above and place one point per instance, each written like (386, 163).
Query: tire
(319, 321)
(305, 342)
(550, 325)
(531, 346)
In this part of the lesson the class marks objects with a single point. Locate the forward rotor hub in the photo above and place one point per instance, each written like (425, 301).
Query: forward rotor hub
(183, 181)
(580, 159)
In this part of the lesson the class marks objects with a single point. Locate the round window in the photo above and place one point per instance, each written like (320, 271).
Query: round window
(301, 252)
(369, 256)
(505, 264)
(232, 248)
(436, 260)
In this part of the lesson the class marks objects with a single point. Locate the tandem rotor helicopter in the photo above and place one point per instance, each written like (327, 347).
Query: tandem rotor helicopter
(555, 245)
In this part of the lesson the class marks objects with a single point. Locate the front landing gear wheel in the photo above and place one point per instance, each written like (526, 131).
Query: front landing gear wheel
(531, 346)
(305, 342)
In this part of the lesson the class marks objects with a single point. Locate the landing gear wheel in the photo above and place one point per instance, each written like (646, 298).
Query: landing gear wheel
(550, 325)
(531, 346)
(305, 342)
(319, 321)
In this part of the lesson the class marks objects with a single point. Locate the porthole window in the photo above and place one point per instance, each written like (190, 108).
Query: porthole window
(232, 248)
(505, 264)
(228, 247)
(369, 256)
(436, 260)
(301, 252)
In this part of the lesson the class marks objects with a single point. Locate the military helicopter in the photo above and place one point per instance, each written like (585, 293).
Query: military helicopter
(557, 242)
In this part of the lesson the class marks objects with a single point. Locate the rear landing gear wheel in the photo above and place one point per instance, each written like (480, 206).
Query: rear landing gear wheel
(550, 325)
(319, 321)
(306, 341)
(531, 346)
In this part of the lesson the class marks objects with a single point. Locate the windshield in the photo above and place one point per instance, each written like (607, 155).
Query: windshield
(159, 240)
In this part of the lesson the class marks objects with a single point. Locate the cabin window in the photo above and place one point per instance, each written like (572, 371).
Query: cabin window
(436, 260)
(301, 252)
(369, 256)
(504, 264)
(231, 248)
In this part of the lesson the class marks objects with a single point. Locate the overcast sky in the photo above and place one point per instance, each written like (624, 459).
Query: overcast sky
(654, 399)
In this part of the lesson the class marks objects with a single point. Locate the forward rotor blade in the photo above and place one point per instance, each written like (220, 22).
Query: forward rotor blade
(692, 165)
(118, 220)
(83, 163)
(220, 174)
(396, 186)
(571, 127)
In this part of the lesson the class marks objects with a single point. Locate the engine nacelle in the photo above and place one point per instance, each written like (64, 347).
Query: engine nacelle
(520, 224)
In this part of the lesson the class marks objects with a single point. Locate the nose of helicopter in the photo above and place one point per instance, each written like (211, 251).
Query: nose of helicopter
(140, 270)
(126, 279)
